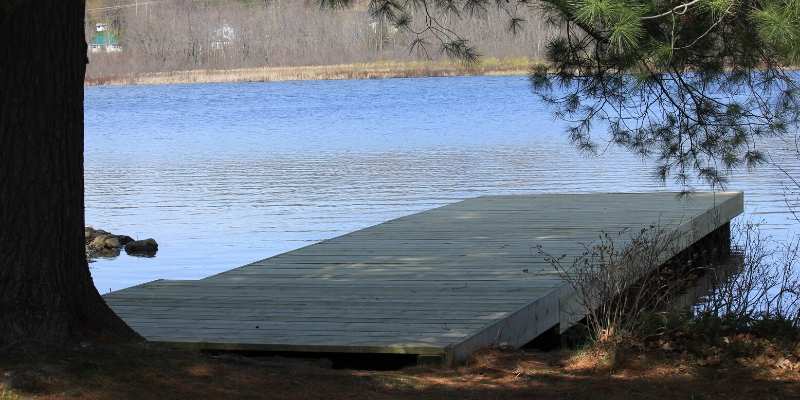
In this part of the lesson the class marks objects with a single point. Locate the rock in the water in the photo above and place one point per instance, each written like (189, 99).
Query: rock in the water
(102, 252)
(142, 248)
(97, 242)
(100, 243)
(105, 242)
(112, 242)
(90, 233)
(123, 240)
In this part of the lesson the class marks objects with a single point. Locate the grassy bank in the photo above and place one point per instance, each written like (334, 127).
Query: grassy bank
(376, 70)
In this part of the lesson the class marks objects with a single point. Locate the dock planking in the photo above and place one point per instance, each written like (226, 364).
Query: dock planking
(444, 282)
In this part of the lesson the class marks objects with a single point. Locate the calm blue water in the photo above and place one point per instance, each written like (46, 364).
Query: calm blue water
(226, 174)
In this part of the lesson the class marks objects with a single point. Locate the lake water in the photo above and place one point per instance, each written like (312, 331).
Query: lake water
(226, 174)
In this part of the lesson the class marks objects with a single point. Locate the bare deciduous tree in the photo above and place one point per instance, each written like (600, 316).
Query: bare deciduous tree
(184, 35)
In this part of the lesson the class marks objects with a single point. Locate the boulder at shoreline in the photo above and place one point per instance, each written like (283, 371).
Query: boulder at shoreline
(100, 243)
(142, 248)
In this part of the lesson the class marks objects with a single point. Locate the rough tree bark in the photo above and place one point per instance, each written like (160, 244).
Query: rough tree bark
(46, 292)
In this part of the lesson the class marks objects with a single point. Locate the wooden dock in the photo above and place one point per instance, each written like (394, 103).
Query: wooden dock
(440, 283)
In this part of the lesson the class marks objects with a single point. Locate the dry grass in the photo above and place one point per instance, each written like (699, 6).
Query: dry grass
(376, 70)
(771, 373)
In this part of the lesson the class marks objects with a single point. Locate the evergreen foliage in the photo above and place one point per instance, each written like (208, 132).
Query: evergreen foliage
(694, 85)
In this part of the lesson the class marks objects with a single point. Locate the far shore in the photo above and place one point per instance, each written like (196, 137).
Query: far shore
(375, 70)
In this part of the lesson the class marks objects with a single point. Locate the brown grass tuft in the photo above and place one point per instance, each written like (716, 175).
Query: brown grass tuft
(376, 70)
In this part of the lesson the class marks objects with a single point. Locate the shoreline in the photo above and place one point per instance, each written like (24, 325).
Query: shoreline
(374, 70)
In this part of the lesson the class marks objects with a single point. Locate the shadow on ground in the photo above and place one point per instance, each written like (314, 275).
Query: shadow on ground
(154, 373)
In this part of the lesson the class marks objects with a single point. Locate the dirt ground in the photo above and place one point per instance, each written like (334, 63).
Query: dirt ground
(136, 372)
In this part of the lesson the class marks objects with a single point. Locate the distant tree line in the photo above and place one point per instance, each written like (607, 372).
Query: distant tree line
(189, 34)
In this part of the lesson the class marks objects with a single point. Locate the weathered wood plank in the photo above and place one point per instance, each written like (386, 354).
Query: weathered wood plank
(443, 282)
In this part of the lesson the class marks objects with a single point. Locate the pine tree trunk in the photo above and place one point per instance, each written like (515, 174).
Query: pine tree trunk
(46, 292)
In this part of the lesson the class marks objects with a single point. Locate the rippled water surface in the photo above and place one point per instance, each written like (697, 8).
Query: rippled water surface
(226, 174)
